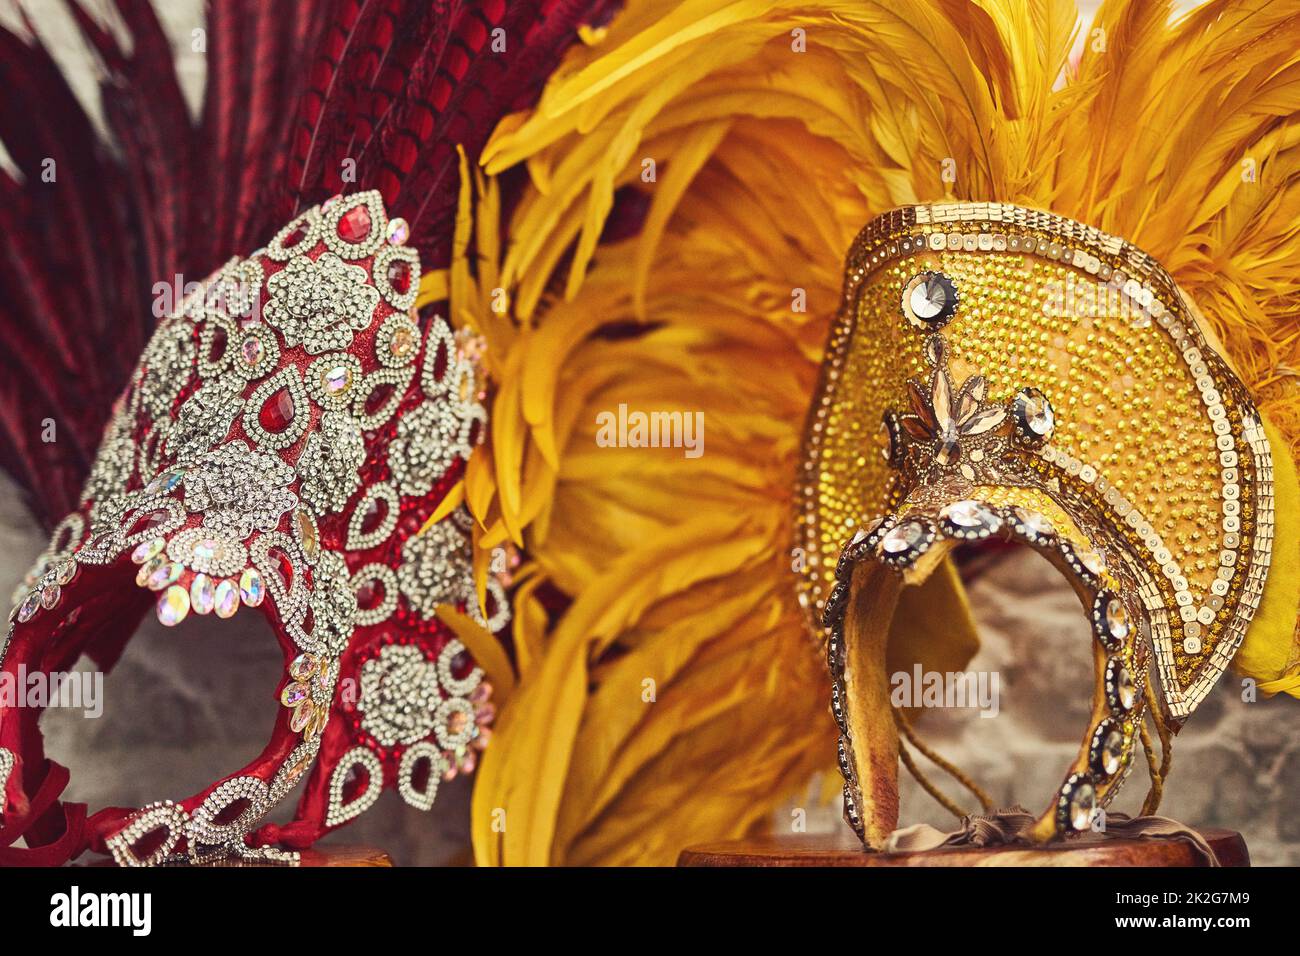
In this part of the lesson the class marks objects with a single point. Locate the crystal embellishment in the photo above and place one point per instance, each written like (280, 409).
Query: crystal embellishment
(930, 300)
(1035, 419)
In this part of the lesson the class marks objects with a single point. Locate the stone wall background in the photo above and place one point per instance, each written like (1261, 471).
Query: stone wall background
(184, 706)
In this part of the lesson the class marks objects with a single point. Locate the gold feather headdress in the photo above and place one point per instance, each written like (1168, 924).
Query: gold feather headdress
(679, 696)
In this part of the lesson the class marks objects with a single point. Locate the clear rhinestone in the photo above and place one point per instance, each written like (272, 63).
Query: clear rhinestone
(66, 571)
(1116, 619)
(969, 514)
(251, 587)
(173, 605)
(398, 231)
(1112, 751)
(1125, 688)
(147, 569)
(1092, 562)
(165, 574)
(206, 549)
(1035, 522)
(904, 537)
(252, 351)
(294, 694)
(303, 667)
(226, 599)
(929, 297)
(203, 595)
(165, 483)
(302, 716)
(50, 595)
(1034, 413)
(146, 550)
(27, 610)
(1083, 801)
(337, 379)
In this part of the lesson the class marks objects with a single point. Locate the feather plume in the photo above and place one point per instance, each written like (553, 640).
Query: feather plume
(777, 129)
(294, 88)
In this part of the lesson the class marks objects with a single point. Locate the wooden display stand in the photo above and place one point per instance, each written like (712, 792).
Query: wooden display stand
(323, 857)
(1088, 850)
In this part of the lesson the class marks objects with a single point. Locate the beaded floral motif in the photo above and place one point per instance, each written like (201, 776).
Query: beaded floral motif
(399, 695)
(203, 420)
(329, 463)
(436, 569)
(239, 489)
(320, 303)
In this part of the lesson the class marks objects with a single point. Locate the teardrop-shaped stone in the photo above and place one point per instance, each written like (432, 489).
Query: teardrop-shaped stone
(277, 411)
(303, 667)
(66, 571)
(147, 569)
(399, 276)
(293, 694)
(307, 532)
(354, 225)
(373, 516)
(283, 566)
(302, 716)
(27, 610)
(370, 594)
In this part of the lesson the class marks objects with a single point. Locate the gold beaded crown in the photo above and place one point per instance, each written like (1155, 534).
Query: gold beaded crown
(997, 371)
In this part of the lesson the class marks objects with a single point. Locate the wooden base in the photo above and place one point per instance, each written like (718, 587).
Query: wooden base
(1088, 850)
(321, 857)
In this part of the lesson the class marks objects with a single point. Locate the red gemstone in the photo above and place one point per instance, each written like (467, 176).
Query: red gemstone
(148, 522)
(369, 595)
(374, 514)
(218, 345)
(355, 783)
(277, 411)
(461, 665)
(420, 775)
(399, 276)
(354, 226)
(376, 399)
(284, 566)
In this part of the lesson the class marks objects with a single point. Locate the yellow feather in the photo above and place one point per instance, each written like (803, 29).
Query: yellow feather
(767, 162)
